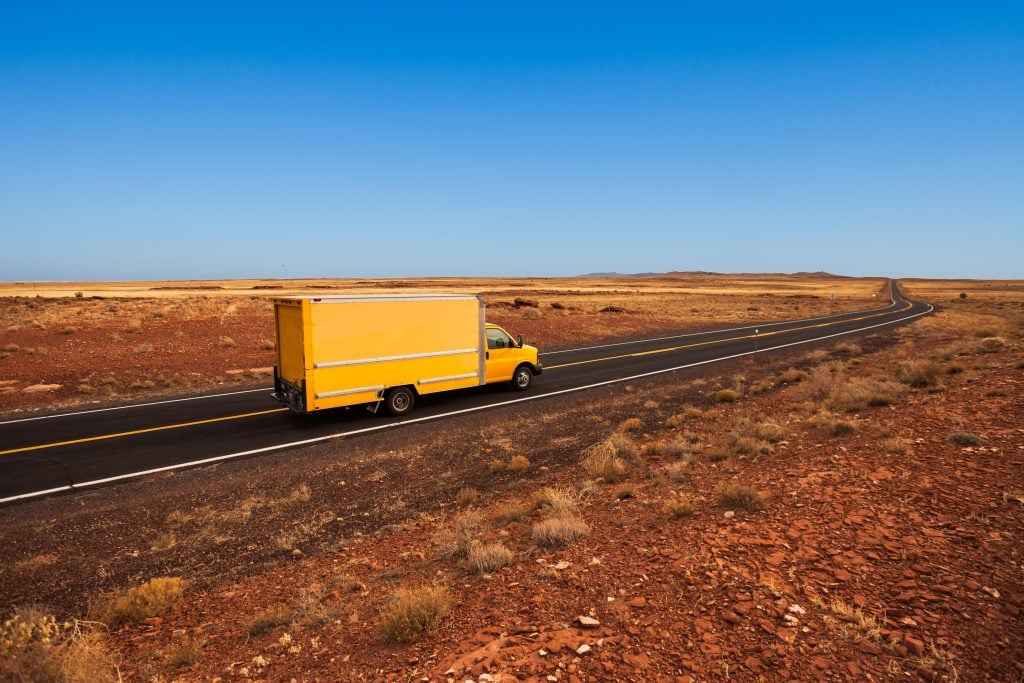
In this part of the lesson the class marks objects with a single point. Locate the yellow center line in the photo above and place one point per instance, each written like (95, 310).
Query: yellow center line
(722, 341)
(139, 431)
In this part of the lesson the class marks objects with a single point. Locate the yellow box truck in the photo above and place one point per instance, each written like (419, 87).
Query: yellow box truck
(335, 351)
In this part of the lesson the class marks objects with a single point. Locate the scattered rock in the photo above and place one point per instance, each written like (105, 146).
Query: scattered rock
(583, 649)
(588, 622)
(521, 302)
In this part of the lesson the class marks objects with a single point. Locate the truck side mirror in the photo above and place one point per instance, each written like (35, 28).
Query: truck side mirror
(519, 339)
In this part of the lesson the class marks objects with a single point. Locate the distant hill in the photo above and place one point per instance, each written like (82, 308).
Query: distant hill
(691, 273)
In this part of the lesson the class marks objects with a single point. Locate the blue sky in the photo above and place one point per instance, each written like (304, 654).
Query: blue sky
(179, 140)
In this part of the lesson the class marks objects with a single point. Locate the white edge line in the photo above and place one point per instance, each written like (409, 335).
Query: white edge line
(392, 425)
(133, 405)
(546, 353)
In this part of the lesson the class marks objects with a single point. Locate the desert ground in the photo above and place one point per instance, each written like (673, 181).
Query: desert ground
(850, 512)
(64, 344)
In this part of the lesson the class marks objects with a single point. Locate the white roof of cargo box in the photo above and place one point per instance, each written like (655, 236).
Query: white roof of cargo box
(359, 298)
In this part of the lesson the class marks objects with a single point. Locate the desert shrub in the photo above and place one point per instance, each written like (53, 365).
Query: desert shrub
(456, 540)
(679, 471)
(517, 464)
(954, 369)
(413, 612)
(793, 376)
(227, 342)
(749, 445)
(86, 389)
(467, 496)
(669, 449)
(143, 349)
(857, 394)
(896, 446)
(560, 530)
(996, 393)
(266, 345)
(184, 653)
(12, 348)
(830, 424)
(919, 373)
(35, 647)
(489, 558)
(151, 599)
(769, 431)
(633, 424)
(991, 345)
(507, 513)
(688, 413)
(760, 387)
(532, 314)
(270, 618)
(601, 461)
(848, 348)
(740, 497)
(69, 330)
(679, 506)
(966, 439)
(726, 395)
(558, 501)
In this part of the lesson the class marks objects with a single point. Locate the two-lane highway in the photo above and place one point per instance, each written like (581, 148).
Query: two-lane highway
(53, 453)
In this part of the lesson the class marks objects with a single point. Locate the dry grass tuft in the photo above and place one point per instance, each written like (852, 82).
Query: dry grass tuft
(670, 449)
(919, 373)
(413, 612)
(793, 376)
(991, 345)
(857, 394)
(467, 496)
(560, 530)
(456, 540)
(830, 424)
(679, 506)
(679, 471)
(601, 461)
(558, 501)
(489, 558)
(153, 598)
(740, 497)
(184, 653)
(517, 464)
(270, 618)
(688, 413)
(143, 349)
(633, 424)
(228, 342)
(966, 439)
(727, 395)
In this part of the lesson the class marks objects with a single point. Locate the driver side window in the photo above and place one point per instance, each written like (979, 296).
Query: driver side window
(496, 339)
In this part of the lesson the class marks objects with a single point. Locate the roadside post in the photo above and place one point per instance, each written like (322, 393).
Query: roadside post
(755, 339)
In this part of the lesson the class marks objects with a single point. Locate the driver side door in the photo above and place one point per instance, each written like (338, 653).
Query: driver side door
(502, 354)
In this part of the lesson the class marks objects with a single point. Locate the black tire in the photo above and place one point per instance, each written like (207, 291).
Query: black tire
(399, 401)
(522, 377)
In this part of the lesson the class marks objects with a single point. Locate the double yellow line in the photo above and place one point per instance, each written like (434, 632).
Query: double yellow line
(636, 354)
(721, 341)
(138, 431)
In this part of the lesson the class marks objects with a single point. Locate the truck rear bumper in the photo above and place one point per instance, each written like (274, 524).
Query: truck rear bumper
(289, 395)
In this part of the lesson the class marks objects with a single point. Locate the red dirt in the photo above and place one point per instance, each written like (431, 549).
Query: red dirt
(889, 553)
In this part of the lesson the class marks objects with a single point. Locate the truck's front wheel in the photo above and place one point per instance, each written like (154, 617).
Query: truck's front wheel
(399, 400)
(522, 377)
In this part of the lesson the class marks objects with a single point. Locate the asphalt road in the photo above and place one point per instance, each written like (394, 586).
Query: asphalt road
(53, 453)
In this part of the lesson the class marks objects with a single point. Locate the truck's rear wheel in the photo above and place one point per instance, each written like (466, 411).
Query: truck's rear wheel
(399, 400)
(522, 378)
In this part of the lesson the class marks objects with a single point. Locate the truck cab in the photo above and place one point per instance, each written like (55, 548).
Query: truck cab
(509, 360)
